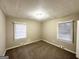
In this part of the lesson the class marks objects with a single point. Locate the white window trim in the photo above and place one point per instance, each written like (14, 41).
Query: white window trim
(66, 41)
(14, 30)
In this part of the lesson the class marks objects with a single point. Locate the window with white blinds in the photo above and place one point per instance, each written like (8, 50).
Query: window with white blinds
(20, 31)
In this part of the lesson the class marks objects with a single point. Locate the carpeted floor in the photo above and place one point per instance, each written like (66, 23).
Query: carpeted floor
(39, 50)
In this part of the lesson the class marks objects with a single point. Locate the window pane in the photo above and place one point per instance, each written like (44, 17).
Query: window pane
(20, 31)
(65, 31)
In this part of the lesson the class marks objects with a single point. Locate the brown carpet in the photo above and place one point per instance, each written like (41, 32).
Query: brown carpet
(39, 50)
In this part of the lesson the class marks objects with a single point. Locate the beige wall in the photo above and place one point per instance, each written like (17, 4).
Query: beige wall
(50, 32)
(33, 32)
(2, 34)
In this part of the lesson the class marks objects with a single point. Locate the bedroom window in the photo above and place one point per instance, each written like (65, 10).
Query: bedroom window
(20, 31)
(65, 31)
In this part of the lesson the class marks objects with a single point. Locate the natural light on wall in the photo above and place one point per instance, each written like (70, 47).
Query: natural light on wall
(39, 14)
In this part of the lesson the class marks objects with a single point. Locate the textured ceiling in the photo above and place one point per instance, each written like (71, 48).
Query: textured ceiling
(55, 8)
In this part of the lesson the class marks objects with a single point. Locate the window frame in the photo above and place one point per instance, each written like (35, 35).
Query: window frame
(14, 31)
(70, 41)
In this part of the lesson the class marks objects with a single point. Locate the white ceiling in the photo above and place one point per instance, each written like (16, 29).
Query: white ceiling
(55, 8)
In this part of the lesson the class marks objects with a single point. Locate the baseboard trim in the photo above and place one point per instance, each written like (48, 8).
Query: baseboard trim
(4, 52)
(22, 45)
(60, 47)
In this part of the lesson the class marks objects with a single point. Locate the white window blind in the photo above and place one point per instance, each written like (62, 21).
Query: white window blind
(20, 31)
(65, 31)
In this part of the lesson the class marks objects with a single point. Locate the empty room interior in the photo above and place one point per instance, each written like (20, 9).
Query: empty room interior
(39, 29)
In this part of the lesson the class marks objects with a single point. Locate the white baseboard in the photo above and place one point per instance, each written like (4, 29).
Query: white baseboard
(4, 52)
(22, 45)
(60, 46)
